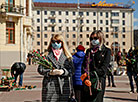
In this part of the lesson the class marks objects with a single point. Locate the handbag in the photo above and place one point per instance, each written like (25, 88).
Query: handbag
(72, 94)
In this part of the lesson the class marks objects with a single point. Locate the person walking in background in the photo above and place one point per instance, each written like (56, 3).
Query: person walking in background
(78, 58)
(94, 68)
(110, 73)
(18, 69)
(29, 58)
(131, 69)
(56, 82)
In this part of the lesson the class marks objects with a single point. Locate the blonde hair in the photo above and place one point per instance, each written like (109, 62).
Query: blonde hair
(100, 35)
(64, 45)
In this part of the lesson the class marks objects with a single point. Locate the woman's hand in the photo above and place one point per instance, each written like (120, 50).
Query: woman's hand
(56, 72)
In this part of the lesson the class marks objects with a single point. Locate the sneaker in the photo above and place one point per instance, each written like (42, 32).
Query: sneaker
(131, 92)
(113, 85)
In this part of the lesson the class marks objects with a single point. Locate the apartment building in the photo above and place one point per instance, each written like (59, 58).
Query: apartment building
(76, 23)
(15, 31)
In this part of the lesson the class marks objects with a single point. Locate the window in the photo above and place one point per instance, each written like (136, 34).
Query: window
(52, 29)
(107, 36)
(67, 43)
(101, 14)
(94, 21)
(74, 35)
(81, 30)
(67, 35)
(38, 35)
(87, 13)
(45, 12)
(115, 35)
(27, 7)
(67, 13)
(123, 22)
(101, 28)
(80, 43)
(115, 14)
(107, 43)
(81, 13)
(45, 35)
(10, 4)
(45, 20)
(45, 28)
(116, 29)
(38, 43)
(87, 43)
(124, 43)
(107, 30)
(87, 35)
(94, 13)
(73, 43)
(87, 21)
(53, 21)
(73, 21)
(74, 28)
(38, 29)
(115, 21)
(80, 35)
(74, 13)
(59, 13)
(106, 22)
(38, 50)
(60, 28)
(45, 43)
(94, 28)
(67, 28)
(38, 20)
(123, 36)
(101, 21)
(10, 32)
(60, 21)
(52, 13)
(38, 12)
(87, 28)
(123, 15)
(124, 30)
(106, 14)
(81, 21)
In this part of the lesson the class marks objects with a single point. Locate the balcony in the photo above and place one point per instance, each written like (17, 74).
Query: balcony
(52, 24)
(11, 10)
(52, 16)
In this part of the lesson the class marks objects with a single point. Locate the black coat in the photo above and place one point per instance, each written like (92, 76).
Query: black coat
(99, 62)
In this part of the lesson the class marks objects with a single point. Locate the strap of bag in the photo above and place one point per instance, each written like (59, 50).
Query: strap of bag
(71, 89)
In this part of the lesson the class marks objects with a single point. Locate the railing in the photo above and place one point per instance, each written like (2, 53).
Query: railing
(10, 8)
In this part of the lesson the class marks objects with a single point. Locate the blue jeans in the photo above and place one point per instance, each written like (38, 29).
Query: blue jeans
(20, 78)
(132, 75)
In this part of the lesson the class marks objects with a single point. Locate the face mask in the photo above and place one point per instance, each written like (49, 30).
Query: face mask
(95, 42)
(56, 45)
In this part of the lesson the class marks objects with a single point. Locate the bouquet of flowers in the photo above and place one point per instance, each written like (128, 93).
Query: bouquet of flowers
(39, 59)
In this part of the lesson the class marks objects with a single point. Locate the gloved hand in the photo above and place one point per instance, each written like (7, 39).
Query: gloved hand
(83, 76)
(56, 72)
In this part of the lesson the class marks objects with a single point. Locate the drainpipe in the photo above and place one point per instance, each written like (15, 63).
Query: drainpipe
(41, 30)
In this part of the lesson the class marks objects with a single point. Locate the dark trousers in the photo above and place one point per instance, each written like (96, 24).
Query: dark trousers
(110, 79)
(20, 78)
(97, 96)
(78, 92)
(131, 76)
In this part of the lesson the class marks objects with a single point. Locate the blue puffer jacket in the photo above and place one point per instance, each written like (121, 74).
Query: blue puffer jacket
(78, 60)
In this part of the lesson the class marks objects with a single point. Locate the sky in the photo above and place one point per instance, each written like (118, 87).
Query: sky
(135, 6)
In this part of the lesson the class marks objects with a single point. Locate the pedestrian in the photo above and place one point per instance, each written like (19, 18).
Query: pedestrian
(29, 57)
(131, 69)
(56, 83)
(78, 58)
(18, 69)
(94, 68)
(110, 73)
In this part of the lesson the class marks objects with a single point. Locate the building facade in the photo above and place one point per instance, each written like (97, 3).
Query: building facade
(76, 22)
(135, 37)
(15, 31)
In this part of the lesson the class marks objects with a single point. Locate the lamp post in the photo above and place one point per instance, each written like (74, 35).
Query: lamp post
(78, 23)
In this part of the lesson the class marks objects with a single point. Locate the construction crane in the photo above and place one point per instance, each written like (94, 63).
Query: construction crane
(129, 4)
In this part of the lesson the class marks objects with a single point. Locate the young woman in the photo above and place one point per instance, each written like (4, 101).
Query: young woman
(94, 68)
(56, 84)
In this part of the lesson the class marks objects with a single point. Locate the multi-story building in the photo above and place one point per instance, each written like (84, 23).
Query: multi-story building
(15, 31)
(76, 22)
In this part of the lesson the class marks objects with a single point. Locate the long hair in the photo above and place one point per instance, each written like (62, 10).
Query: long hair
(64, 45)
(100, 35)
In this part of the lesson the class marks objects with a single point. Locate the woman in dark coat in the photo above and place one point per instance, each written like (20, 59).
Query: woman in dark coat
(95, 65)
(56, 82)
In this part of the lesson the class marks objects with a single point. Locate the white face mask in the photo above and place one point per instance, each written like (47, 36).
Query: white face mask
(95, 42)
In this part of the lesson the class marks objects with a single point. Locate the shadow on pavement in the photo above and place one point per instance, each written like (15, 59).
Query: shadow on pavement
(36, 77)
(116, 91)
(33, 101)
(123, 99)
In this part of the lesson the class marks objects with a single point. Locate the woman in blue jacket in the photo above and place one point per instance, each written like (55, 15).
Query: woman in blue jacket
(78, 58)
